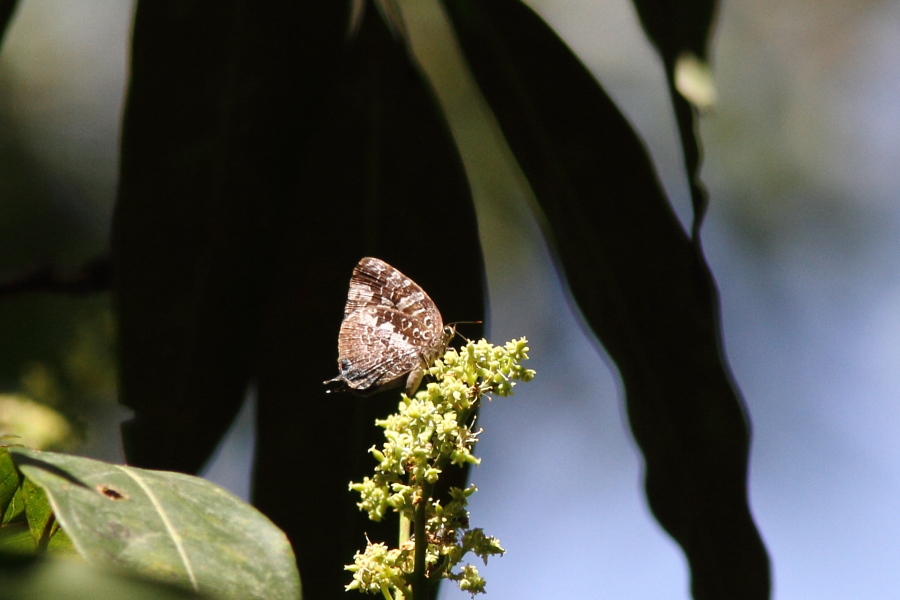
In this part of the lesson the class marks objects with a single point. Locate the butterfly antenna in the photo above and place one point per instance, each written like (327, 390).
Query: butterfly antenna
(455, 323)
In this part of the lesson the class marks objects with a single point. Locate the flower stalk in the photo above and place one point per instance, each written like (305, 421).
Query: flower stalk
(430, 432)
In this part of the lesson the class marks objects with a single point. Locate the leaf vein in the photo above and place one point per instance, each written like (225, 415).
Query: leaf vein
(176, 538)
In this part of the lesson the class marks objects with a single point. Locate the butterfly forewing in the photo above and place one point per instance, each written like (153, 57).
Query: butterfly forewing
(376, 283)
(391, 328)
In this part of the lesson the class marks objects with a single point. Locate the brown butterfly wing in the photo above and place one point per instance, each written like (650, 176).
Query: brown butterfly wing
(391, 328)
(376, 350)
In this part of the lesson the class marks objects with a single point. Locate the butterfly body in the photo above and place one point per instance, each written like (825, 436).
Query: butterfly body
(391, 330)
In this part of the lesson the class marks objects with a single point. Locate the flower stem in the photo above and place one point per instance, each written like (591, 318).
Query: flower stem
(405, 526)
(420, 578)
(386, 592)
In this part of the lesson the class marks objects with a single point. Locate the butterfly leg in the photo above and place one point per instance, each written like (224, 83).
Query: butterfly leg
(414, 379)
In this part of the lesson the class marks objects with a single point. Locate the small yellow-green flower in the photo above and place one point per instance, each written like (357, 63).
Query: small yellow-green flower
(429, 431)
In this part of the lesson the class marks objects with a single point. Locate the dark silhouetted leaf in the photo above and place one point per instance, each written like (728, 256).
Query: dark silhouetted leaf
(381, 177)
(7, 10)
(204, 160)
(174, 527)
(265, 152)
(677, 28)
(640, 283)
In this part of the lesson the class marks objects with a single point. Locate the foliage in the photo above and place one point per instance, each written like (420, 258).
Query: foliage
(266, 148)
(169, 527)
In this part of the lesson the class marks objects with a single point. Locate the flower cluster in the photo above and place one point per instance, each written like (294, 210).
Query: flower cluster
(430, 431)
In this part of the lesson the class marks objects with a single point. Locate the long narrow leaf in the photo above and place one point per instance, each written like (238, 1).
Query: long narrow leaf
(676, 26)
(681, 28)
(381, 177)
(640, 283)
(267, 148)
(201, 141)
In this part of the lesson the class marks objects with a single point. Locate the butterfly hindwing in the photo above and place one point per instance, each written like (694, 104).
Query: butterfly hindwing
(374, 350)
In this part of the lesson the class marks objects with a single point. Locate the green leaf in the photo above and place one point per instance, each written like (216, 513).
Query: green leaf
(39, 514)
(10, 482)
(15, 511)
(15, 534)
(16, 537)
(641, 283)
(46, 533)
(60, 542)
(29, 578)
(170, 526)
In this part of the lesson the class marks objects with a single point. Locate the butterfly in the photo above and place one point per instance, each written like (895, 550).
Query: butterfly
(391, 330)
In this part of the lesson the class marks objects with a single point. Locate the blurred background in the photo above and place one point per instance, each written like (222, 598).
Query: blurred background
(802, 154)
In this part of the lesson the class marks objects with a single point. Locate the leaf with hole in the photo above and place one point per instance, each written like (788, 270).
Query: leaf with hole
(169, 526)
